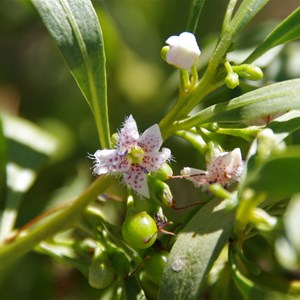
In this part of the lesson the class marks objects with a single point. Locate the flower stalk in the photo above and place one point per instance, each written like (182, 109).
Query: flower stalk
(61, 221)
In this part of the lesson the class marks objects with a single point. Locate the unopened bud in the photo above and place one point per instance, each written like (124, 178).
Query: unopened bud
(247, 71)
(232, 80)
(160, 192)
(182, 52)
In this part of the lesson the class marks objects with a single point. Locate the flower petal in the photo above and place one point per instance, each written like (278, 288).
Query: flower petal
(109, 161)
(198, 177)
(151, 139)
(137, 179)
(226, 167)
(154, 161)
(183, 51)
(128, 135)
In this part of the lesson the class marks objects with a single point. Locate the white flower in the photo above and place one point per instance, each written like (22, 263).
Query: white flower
(135, 156)
(183, 50)
(225, 168)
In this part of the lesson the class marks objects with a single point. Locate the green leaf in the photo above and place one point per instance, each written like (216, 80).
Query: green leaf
(245, 13)
(278, 97)
(279, 175)
(285, 125)
(28, 148)
(288, 30)
(247, 10)
(132, 289)
(196, 249)
(195, 11)
(75, 28)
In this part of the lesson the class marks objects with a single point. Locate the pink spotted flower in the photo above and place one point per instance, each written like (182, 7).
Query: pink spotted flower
(134, 157)
(224, 168)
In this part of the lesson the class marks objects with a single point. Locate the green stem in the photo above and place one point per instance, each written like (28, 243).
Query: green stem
(207, 84)
(62, 221)
(209, 81)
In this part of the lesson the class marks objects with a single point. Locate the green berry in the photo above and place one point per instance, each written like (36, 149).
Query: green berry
(163, 173)
(100, 273)
(119, 262)
(149, 287)
(160, 192)
(139, 230)
(155, 265)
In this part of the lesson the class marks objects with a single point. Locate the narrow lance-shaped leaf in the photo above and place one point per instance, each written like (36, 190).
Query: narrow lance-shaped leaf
(288, 30)
(278, 97)
(195, 251)
(245, 13)
(76, 30)
(195, 11)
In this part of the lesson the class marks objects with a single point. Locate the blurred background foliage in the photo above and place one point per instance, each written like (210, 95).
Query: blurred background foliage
(36, 84)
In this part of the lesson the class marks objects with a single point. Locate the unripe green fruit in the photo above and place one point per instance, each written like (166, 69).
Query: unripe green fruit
(160, 192)
(164, 172)
(119, 263)
(100, 275)
(155, 265)
(232, 80)
(149, 287)
(139, 230)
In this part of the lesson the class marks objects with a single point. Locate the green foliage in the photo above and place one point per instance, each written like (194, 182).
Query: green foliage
(75, 28)
(285, 32)
(229, 232)
(197, 247)
(278, 97)
(195, 11)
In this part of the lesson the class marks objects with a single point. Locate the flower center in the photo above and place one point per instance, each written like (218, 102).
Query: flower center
(135, 155)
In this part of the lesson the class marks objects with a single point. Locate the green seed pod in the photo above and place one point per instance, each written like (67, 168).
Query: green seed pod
(232, 80)
(250, 72)
(163, 173)
(100, 273)
(160, 192)
(149, 287)
(155, 265)
(119, 262)
(139, 230)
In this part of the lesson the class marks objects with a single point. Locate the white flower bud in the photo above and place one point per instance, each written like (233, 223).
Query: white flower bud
(183, 51)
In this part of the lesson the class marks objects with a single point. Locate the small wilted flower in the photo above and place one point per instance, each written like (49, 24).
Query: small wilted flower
(224, 168)
(135, 156)
(182, 52)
